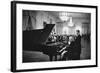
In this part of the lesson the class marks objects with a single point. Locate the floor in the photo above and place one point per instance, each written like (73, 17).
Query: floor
(35, 56)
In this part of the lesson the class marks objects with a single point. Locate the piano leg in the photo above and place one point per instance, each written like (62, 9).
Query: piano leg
(55, 57)
(51, 57)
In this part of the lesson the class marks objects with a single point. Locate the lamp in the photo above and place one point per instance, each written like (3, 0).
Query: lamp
(71, 24)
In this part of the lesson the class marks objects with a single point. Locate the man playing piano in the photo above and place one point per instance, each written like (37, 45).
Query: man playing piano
(73, 51)
(67, 52)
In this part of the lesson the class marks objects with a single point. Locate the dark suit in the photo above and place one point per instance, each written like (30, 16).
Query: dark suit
(71, 50)
(74, 49)
(77, 48)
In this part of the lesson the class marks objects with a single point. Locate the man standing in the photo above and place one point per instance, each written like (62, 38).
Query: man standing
(77, 49)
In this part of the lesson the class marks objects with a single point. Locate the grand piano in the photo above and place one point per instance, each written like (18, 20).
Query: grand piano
(36, 40)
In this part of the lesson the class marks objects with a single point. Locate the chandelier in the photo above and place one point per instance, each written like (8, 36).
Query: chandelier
(64, 17)
(70, 23)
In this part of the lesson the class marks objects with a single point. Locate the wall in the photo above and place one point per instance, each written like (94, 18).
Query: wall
(83, 24)
(37, 19)
(59, 28)
(79, 24)
(26, 18)
(5, 37)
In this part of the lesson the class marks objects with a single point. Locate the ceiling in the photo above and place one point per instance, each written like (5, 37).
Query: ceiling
(72, 14)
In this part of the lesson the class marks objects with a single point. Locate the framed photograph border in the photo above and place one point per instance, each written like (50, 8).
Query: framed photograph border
(13, 34)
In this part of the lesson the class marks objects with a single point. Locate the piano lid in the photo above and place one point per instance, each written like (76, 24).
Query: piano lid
(38, 36)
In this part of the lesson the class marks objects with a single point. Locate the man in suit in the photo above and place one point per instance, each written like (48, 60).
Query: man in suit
(67, 52)
(77, 48)
(73, 51)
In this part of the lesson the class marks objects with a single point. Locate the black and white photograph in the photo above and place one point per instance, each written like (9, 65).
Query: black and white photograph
(48, 36)
(56, 36)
